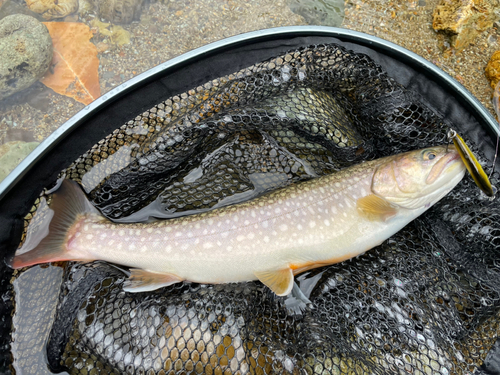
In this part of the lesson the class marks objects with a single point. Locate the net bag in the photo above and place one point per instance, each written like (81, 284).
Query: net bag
(426, 301)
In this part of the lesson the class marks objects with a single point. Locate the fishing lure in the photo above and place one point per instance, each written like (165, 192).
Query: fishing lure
(471, 163)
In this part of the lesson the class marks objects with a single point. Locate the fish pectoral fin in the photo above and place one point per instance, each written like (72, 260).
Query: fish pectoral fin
(374, 208)
(145, 281)
(279, 281)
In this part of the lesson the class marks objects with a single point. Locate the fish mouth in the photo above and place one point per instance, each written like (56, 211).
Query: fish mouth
(445, 163)
(451, 158)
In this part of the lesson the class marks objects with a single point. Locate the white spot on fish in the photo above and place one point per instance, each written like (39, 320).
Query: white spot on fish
(266, 239)
(89, 236)
(327, 222)
(208, 245)
(86, 227)
(149, 230)
(240, 238)
(312, 224)
(283, 227)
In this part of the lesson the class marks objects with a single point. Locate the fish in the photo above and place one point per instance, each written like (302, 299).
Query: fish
(271, 238)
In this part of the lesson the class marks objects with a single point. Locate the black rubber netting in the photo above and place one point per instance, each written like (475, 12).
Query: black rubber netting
(424, 302)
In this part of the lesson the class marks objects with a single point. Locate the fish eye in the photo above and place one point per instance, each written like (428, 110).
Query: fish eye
(429, 155)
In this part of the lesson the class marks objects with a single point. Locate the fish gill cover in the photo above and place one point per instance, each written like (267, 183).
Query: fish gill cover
(426, 301)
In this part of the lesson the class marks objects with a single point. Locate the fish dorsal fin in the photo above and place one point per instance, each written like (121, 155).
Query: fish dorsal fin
(145, 281)
(279, 281)
(374, 208)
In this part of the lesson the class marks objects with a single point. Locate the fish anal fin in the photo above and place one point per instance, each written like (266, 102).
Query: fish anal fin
(145, 281)
(374, 208)
(279, 281)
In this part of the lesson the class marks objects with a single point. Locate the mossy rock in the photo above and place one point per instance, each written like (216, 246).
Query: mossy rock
(12, 153)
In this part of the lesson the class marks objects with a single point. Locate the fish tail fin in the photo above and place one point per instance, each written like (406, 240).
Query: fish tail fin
(48, 230)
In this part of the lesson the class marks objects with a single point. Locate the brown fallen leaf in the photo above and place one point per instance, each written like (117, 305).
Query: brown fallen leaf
(75, 62)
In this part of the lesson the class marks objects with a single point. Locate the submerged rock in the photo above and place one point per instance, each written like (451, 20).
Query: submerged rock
(319, 12)
(119, 11)
(463, 20)
(26, 53)
(12, 153)
(10, 7)
(51, 9)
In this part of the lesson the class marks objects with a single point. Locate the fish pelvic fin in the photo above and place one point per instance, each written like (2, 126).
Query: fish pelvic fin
(46, 238)
(374, 208)
(145, 281)
(279, 281)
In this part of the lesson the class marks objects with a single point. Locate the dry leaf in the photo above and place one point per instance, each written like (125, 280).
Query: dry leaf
(75, 62)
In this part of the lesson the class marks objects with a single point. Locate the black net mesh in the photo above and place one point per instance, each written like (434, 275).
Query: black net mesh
(424, 302)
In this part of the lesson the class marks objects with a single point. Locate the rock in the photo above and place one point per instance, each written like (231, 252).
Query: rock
(12, 153)
(50, 9)
(319, 12)
(85, 7)
(463, 20)
(10, 7)
(119, 11)
(492, 70)
(26, 53)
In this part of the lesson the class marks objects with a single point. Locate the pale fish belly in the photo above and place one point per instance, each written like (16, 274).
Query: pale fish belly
(311, 223)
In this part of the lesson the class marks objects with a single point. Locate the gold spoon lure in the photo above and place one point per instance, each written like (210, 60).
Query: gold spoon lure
(471, 163)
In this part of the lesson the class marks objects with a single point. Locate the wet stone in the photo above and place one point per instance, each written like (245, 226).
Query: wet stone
(26, 53)
(464, 20)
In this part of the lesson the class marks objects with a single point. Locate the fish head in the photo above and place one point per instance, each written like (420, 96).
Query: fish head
(418, 178)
